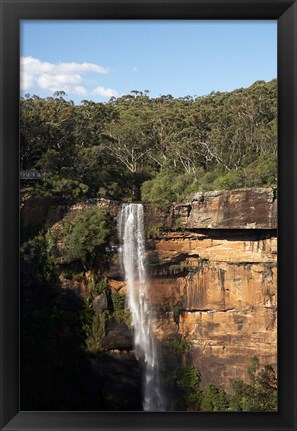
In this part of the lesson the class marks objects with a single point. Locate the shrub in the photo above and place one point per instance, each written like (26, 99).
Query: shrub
(154, 231)
(262, 172)
(118, 301)
(234, 179)
(95, 332)
(214, 399)
(179, 344)
(119, 310)
(188, 382)
(259, 394)
(96, 288)
(85, 237)
(37, 264)
(168, 186)
(65, 187)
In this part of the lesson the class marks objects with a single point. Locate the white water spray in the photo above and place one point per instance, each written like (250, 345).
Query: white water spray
(131, 232)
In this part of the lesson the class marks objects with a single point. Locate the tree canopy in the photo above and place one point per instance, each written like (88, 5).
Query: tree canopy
(222, 140)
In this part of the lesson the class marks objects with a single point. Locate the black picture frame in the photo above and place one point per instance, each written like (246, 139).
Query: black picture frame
(285, 12)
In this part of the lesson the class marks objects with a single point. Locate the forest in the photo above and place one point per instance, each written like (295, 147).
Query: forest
(152, 149)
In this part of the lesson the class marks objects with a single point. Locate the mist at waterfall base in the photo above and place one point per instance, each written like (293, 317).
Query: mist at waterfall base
(132, 237)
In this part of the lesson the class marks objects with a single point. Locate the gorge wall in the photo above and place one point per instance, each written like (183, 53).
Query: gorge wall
(220, 270)
(212, 263)
(213, 277)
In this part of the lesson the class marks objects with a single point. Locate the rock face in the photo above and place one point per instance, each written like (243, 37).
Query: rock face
(236, 209)
(227, 307)
(100, 303)
(219, 270)
(37, 213)
(117, 336)
(212, 263)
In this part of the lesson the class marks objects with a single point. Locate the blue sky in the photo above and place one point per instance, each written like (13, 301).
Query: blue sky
(95, 60)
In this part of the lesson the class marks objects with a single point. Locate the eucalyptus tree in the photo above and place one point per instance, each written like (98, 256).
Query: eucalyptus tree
(132, 134)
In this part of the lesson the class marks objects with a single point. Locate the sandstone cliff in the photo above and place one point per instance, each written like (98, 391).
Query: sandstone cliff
(219, 270)
(213, 274)
(213, 260)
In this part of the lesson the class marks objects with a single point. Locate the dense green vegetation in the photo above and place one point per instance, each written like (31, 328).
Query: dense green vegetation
(259, 394)
(159, 149)
(85, 237)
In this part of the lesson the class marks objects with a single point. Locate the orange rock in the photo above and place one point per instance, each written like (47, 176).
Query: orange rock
(226, 250)
(226, 291)
(119, 286)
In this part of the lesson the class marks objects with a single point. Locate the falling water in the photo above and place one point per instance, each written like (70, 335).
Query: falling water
(131, 232)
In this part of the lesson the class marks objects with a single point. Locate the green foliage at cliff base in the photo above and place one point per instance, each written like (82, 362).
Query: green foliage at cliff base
(258, 394)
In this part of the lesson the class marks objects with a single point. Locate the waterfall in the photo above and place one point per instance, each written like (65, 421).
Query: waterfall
(131, 232)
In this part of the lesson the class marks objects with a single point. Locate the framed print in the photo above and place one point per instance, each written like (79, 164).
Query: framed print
(148, 211)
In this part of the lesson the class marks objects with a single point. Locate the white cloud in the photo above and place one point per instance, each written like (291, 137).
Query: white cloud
(79, 90)
(35, 66)
(68, 77)
(135, 69)
(47, 81)
(27, 80)
(105, 92)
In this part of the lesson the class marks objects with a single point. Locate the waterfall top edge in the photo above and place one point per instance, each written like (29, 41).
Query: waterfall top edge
(132, 203)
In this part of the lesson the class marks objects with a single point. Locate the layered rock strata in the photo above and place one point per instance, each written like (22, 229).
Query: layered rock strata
(226, 296)
(212, 263)
(218, 271)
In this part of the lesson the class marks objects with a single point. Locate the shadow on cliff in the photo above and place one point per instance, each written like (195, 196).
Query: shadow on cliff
(57, 372)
